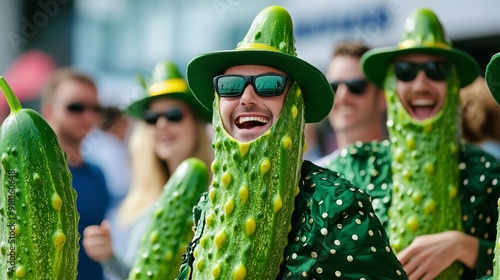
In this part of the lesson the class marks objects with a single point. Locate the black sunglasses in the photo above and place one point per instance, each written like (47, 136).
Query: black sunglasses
(174, 116)
(357, 86)
(79, 108)
(434, 70)
(264, 84)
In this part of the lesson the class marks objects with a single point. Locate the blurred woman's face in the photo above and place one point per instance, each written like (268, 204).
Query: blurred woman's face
(175, 129)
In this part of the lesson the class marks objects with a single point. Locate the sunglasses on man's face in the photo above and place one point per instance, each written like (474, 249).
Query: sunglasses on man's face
(173, 115)
(264, 85)
(79, 108)
(357, 86)
(434, 70)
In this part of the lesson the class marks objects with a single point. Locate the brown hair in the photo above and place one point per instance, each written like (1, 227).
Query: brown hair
(480, 113)
(348, 48)
(61, 75)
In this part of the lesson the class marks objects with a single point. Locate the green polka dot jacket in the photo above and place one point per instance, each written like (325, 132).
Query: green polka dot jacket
(335, 233)
(368, 166)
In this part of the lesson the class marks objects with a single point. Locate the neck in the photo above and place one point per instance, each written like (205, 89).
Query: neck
(72, 150)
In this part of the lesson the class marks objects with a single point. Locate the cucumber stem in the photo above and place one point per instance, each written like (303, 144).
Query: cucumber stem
(12, 100)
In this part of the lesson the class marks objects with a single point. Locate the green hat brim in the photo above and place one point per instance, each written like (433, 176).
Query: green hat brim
(375, 62)
(137, 109)
(493, 76)
(317, 92)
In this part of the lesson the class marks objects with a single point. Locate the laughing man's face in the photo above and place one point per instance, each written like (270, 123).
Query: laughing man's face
(422, 97)
(250, 115)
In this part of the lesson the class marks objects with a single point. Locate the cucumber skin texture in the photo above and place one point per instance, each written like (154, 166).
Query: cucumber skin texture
(251, 199)
(44, 205)
(171, 227)
(425, 193)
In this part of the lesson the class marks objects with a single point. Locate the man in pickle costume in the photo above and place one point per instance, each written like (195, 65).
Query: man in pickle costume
(268, 215)
(435, 195)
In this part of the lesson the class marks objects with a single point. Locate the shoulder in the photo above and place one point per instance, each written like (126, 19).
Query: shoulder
(322, 184)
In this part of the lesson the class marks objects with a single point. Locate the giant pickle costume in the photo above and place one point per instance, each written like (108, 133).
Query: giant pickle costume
(423, 180)
(268, 215)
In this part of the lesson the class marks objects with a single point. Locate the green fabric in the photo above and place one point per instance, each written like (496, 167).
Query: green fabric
(335, 234)
(368, 166)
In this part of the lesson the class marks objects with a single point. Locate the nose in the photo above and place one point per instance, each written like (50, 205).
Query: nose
(249, 96)
(421, 81)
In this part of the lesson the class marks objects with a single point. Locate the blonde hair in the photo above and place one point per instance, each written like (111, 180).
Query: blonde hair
(150, 173)
(480, 113)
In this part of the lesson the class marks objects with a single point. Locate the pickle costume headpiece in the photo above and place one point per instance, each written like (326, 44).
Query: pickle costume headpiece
(269, 42)
(493, 76)
(423, 34)
(167, 82)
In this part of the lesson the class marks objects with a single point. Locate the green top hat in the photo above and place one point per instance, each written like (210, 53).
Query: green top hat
(423, 34)
(269, 42)
(167, 82)
(493, 76)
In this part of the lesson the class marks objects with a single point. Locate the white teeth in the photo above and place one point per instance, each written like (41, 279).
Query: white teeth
(252, 119)
(422, 102)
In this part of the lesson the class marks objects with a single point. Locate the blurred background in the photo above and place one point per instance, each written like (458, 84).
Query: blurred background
(114, 40)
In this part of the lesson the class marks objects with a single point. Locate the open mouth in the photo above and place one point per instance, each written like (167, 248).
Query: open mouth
(422, 109)
(250, 122)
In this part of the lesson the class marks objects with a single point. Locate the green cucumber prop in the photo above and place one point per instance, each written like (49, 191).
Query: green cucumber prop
(496, 260)
(38, 216)
(425, 160)
(171, 226)
(251, 199)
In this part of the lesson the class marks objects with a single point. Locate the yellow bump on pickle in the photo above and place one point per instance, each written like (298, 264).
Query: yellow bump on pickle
(265, 165)
(453, 148)
(244, 148)
(430, 207)
(410, 141)
(243, 194)
(416, 197)
(428, 127)
(158, 212)
(286, 142)
(278, 203)
(170, 256)
(399, 154)
(196, 252)
(250, 226)
(304, 147)
(17, 229)
(20, 272)
(229, 207)
(203, 241)
(240, 272)
(36, 177)
(452, 191)
(407, 174)
(210, 219)
(153, 236)
(226, 179)
(199, 265)
(213, 167)
(412, 224)
(56, 202)
(216, 271)
(59, 239)
(295, 111)
(429, 168)
(220, 239)
(211, 195)
(297, 190)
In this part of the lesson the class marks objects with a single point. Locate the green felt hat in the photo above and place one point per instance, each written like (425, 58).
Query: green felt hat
(269, 42)
(493, 76)
(423, 34)
(167, 82)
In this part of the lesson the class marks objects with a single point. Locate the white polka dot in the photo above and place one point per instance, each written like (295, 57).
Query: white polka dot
(339, 202)
(354, 237)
